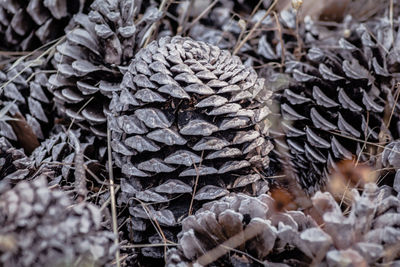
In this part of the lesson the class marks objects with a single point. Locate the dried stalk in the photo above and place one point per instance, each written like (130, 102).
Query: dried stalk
(112, 196)
(80, 177)
(249, 35)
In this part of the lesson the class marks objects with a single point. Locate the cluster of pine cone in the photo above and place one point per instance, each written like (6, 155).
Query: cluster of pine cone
(207, 133)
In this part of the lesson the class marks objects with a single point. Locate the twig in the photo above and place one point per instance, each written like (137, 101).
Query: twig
(184, 18)
(112, 196)
(205, 11)
(397, 93)
(31, 63)
(109, 199)
(279, 26)
(367, 135)
(156, 226)
(344, 193)
(355, 139)
(80, 177)
(150, 31)
(233, 242)
(195, 184)
(248, 36)
(256, 8)
(243, 23)
(299, 40)
(79, 111)
(246, 254)
(151, 245)
(391, 15)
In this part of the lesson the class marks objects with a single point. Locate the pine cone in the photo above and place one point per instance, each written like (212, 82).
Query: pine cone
(41, 228)
(91, 61)
(250, 225)
(66, 153)
(334, 106)
(30, 24)
(26, 84)
(368, 236)
(185, 109)
(14, 164)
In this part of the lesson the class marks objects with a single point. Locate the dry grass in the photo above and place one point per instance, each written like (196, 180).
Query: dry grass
(112, 197)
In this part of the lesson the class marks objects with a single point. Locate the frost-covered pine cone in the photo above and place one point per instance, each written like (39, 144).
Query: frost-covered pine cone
(368, 236)
(336, 99)
(91, 61)
(14, 164)
(187, 108)
(66, 153)
(248, 224)
(57, 157)
(26, 84)
(41, 227)
(30, 24)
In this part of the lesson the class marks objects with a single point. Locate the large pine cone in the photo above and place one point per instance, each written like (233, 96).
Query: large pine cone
(90, 61)
(41, 228)
(29, 24)
(188, 109)
(333, 107)
(25, 92)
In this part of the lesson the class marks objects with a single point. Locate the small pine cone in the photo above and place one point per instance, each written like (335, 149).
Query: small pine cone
(333, 107)
(61, 154)
(91, 61)
(368, 236)
(251, 225)
(41, 228)
(26, 84)
(30, 24)
(185, 109)
(14, 164)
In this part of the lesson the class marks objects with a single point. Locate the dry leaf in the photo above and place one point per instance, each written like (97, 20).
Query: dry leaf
(25, 135)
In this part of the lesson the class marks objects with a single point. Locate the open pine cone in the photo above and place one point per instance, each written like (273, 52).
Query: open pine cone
(41, 228)
(90, 62)
(30, 24)
(250, 225)
(25, 92)
(14, 164)
(368, 236)
(65, 153)
(336, 105)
